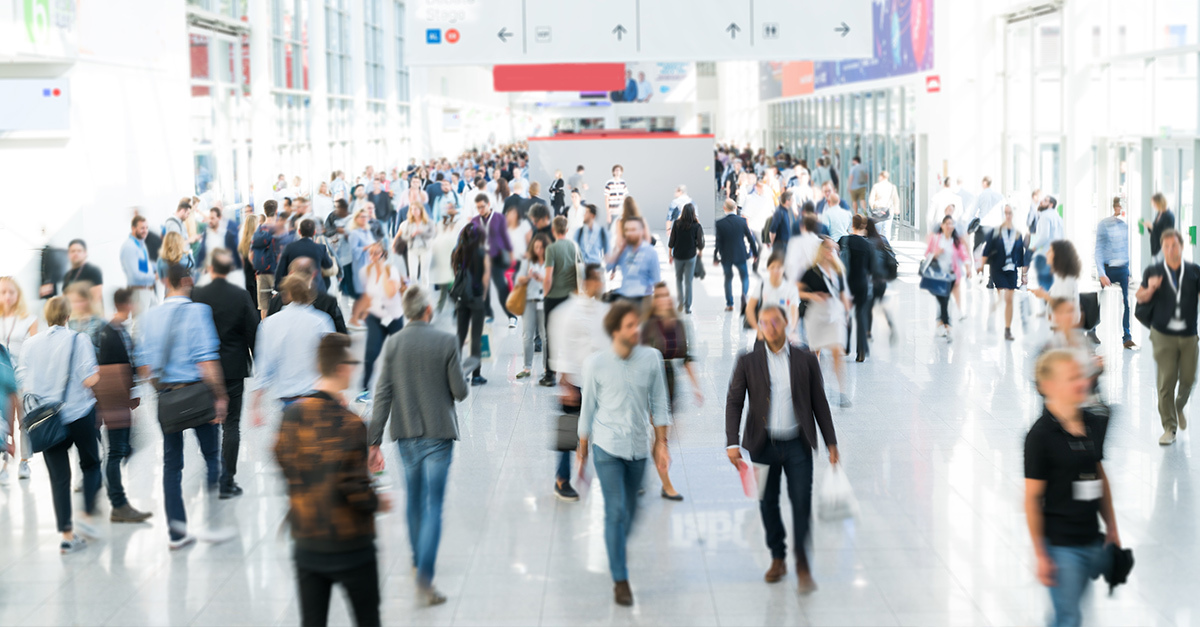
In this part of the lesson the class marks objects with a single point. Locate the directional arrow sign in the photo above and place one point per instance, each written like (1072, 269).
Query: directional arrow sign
(843, 29)
(733, 29)
(504, 35)
(619, 31)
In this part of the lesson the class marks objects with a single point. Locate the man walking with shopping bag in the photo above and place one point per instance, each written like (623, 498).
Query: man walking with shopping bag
(787, 404)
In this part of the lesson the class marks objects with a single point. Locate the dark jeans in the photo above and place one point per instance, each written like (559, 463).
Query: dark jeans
(795, 459)
(944, 305)
(1120, 276)
(118, 452)
(471, 316)
(231, 431)
(501, 283)
(862, 323)
(550, 304)
(376, 334)
(173, 473)
(620, 480)
(83, 434)
(426, 468)
(347, 282)
(742, 271)
(362, 590)
(563, 472)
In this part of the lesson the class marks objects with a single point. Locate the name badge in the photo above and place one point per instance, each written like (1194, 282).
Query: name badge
(1176, 325)
(1087, 490)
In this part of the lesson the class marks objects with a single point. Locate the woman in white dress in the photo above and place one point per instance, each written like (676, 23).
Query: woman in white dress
(824, 287)
(16, 326)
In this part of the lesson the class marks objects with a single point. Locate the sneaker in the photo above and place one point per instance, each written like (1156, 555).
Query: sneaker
(1093, 337)
(356, 326)
(429, 596)
(73, 545)
(524, 374)
(1129, 344)
(127, 514)
(86, 528)
(564, 492)
(512, 323)
(844, 401)
(546, 381)
(364, 397)
(489, 319)
(229, 491)
(187, 540)
(1168, 437)
(478, 380)
(23, 470)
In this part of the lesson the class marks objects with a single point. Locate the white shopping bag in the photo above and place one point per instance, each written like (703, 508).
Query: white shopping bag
(836, 500)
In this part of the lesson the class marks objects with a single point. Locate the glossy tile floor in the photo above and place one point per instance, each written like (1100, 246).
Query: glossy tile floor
(932, 446)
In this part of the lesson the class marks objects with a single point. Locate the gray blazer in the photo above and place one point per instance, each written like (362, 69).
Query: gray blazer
(419, 381)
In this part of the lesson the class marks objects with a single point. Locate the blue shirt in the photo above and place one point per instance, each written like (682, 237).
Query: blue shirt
(1112, 243)
(43, 370)
(135, 261)
(639, 271)
(189, 328)
(620, 397)
(593, 242)
(285, 352)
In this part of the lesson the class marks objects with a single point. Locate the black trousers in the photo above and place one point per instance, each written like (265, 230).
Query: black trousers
(470, 316)
(550, 304)
(862, 322)
(362, 591)
(84, 434)
(793, 458)
(231, 431)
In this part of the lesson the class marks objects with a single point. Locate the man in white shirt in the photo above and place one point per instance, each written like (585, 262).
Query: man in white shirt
(944, 198)
(989, 205)
(884, 202)
(837, 218)
(286, 343)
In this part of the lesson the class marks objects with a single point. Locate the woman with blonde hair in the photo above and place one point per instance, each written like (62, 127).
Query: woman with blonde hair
(824, 287)
(360, 239)
(16, 326)
(175, 251)
(250, 224)
(417, 232)
(385, 311)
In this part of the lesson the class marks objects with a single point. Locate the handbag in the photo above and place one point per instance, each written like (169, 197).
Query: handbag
(517, 298)
(185, 407)
(934, 280)
(332, 270)
(42, 421)
(700, 272)
(1144, 312)
(1089, 310)
(566, 433)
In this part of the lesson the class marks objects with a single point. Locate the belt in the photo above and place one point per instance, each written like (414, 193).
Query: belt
(1116, 265)
(169, 387)
(141, 287)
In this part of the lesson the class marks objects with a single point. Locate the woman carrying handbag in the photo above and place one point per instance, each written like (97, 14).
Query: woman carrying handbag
(945, 262)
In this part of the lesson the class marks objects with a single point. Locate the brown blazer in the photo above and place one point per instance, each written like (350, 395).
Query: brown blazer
(751, 377)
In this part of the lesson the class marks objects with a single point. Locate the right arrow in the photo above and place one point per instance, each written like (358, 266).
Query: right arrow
(619, 31)
(732, 29)
(843, 29)
(503, 34)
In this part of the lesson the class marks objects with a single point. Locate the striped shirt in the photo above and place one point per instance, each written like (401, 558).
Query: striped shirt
(615, 191)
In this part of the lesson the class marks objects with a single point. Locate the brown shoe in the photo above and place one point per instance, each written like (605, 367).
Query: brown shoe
(127, 514)
(777, 571)
(1008, 335)
(622, 594)
(1130, 344)
(807, 585)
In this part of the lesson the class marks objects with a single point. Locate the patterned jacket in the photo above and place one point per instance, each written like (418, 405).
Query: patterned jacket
(322, 449)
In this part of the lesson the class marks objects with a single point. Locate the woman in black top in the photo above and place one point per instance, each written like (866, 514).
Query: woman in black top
(687, 240)
(859, 256)
(471, 270)
(885, 259)
(1004, 253)
(558, 196)
(1066, 490)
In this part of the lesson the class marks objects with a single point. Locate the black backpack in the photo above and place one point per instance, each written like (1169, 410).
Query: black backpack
(889, 266)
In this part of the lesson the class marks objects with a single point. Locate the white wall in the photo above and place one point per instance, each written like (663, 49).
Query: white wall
(128, 144)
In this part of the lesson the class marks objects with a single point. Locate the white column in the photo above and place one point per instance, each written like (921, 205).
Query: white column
(1081, 117)
(263, 162)
(358, 60)
(318, 84)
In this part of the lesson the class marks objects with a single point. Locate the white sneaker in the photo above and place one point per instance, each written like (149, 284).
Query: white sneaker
(87, 529)
(1168, 437)
(4, 474)
(187, 540)
(23, 470)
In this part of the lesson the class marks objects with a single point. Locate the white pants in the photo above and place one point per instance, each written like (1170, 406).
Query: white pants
(419, 260)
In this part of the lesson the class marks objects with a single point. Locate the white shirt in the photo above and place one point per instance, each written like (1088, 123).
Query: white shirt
(323, 206)
(937, 207)
(286, 347)
(516, 237)
(758, 208)
(1066, 287)
(13, 333)
(1049, 229)
(214, 239)
(786, 294)
(781, 422)
(801, 254)
(382, 307)
(576, 333)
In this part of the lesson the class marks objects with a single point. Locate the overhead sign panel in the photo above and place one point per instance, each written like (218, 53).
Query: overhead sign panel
(478, 32)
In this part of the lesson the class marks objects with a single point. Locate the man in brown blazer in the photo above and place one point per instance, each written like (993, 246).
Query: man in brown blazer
(787, 404)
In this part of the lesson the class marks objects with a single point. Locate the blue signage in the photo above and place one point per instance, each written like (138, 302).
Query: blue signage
(903, 45)
(433, 35)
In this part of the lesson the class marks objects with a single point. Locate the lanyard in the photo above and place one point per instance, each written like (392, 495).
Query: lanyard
(1175, 288)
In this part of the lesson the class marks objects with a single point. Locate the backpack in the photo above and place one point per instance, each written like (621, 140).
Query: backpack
(889, 266)
(262, 251)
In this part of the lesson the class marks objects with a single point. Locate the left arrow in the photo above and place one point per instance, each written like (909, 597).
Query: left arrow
(619, 31)
(503, 34)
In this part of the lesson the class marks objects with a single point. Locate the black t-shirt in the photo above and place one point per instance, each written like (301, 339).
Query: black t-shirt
(86, 272)
(1163, 300)
(1071, 504)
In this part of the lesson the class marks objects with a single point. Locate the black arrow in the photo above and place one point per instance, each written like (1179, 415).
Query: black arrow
(733, 29)
(619, 31)
(843, 29)
(504, 33)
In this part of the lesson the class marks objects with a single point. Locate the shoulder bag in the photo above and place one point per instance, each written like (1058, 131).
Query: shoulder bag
(517, 299)
(42, 421)
(1144, 312)
(934, 280)
(187, 406)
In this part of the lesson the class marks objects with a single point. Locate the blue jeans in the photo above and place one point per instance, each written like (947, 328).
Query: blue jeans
(685, 273)
(1120, 276)
(376, 334)
(426, 468)
(1045, 274)
(1074, 567)
(620, 480)
(728, 267)
(118, 452)
(209, 436)
(793, 458)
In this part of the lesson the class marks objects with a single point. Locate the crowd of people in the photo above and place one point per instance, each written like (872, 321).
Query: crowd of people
(212, 298)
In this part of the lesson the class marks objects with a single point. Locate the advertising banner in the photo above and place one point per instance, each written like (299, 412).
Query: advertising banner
(903, 45)
(657, 82)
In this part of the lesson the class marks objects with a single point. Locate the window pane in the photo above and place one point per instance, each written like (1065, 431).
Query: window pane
(199, 56)
(1175, 94)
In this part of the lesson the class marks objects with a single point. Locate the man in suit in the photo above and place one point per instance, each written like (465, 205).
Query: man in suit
(787, 404)
(304, 267)
(304, 247)
(236, 321)
(731, 253)
(420, 379)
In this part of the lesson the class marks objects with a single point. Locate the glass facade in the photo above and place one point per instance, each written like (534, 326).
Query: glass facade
(337, 46)
(373, 49)
(289, 30)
